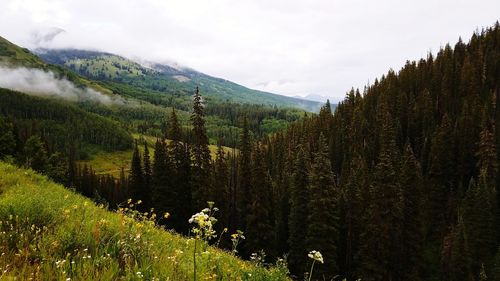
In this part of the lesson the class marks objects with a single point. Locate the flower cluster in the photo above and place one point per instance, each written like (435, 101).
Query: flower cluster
(235, 239)
(204, 223)
(316, 256)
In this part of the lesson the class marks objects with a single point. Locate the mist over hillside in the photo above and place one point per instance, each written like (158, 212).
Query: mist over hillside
(45, 83)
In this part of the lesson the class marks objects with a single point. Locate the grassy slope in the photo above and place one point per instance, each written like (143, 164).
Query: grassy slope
(51, 233)
(104, 162)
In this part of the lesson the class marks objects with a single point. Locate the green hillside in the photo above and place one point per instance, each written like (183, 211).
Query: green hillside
(62, 124)
(14, 56)
(165, 79)
(50, 233)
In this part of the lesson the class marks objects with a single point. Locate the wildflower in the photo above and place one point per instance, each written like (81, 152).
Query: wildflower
(166, 215)
(139, 274)
(316, 255)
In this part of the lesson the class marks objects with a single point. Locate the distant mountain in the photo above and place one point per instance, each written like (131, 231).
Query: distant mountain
(164, 78)
(315, 97)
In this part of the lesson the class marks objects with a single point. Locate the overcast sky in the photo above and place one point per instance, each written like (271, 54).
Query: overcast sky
(288, 47)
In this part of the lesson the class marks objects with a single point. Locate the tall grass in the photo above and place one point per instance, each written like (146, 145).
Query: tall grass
(50, 233)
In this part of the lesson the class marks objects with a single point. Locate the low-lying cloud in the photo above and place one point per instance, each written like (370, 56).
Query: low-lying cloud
(45, 83)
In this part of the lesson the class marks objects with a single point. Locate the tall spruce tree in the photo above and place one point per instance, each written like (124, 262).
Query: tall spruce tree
(7, 140)
(299, 199)
(201, 154)
(136, 176)
(221, 187)
(244, 174)
(147, 177)
(35, 154)
(455, 257)
(163, 195)
(381, 240)
(180, 157)
(323, 217)
(479, 223)
(412, 237)
(260, 221)
(355, 195)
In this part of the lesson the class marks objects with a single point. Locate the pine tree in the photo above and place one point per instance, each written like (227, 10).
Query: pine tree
(35, 154)
(244, 174)
(7, 140)
(322, 230)
(299, 199)
(56, 168)
(381, 240)
(355, 195)
(147, 177)
(136, 176)
(412, 237)
(455, 258)
(180, 156)
(259, 229)
(487, 156)
(442, 177)
(201, 154)
(163, 194)
(221, 187)
(71, 173)
(479, 222)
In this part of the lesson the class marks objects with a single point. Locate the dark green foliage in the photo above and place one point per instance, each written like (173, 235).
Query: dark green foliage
(147, 177)
(411, 233)
(7, 141)
(244, 174)
(322, 217)
(221, 187)
(355, 197)
(35, 154)
(163, 192)
(479, 221)
(455, 258)
(259, 219)
(200, 183)
(57, 168)
(380, 252)
(180, 159)
(136, 177)
(60, 121)
(299, 198)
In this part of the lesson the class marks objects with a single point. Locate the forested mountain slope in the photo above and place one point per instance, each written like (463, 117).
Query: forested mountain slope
(163, 80)
(412, 192)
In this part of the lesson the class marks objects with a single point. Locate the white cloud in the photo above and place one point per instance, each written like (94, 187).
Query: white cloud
(288, 47)
(45, 83)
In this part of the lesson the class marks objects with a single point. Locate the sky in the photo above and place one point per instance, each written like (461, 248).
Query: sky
(288, 47)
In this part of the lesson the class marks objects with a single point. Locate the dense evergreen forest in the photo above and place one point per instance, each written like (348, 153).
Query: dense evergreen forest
(398, 183)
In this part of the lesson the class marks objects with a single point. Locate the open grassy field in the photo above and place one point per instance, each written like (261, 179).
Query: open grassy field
(105, 162)
(51, 233)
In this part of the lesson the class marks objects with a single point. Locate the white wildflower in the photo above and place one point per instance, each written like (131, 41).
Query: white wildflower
(316, 255)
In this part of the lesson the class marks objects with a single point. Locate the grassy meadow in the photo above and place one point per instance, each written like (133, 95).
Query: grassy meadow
(51, 233)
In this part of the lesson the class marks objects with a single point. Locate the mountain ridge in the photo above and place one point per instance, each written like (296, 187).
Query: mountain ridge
(167, 78)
